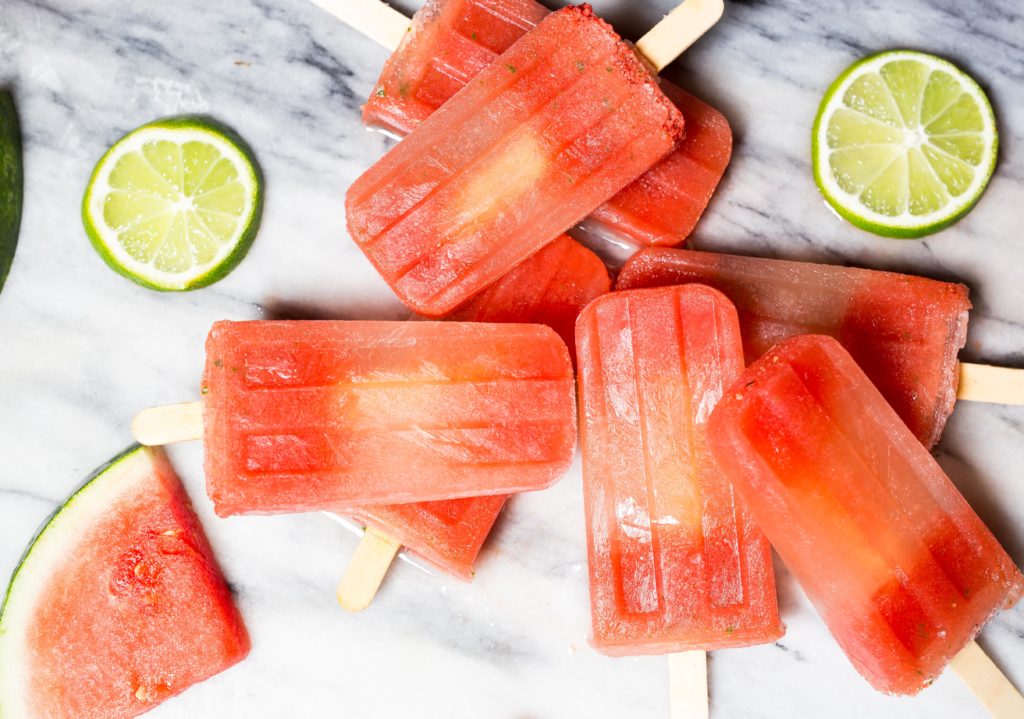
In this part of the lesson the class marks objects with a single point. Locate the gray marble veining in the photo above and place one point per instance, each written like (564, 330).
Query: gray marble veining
(83, 349)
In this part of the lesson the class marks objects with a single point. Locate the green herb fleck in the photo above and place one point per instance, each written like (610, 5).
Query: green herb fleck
(609, 68)
(234, 368)
(380, 92)
(730, 630)
(403, 89)
(580, 66)
(510, 68)
(205, 389)
(472, 36)
(218, 363)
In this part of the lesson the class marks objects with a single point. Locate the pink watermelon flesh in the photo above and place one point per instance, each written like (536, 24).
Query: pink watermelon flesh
(133, 610)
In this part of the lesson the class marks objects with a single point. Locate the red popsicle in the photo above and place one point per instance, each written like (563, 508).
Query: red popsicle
(676, 563)
(562, 121)
(904, 331)
(901, 569)
(302, 416)
(453, 40)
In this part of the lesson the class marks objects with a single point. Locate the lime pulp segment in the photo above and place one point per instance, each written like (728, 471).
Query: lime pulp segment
(904, 144)
(174, 205)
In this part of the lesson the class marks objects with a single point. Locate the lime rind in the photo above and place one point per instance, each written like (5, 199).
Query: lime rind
(946, 172)
(11, 183)
(124, 209)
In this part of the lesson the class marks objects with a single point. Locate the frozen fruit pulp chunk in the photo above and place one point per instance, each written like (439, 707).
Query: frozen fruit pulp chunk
(675, 561)
(453, 40)
(303, 416)
(904, 331)
(550, 288)
(901, 569)
(558, 124)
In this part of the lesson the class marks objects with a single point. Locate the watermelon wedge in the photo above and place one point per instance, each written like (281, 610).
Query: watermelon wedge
(118, 604)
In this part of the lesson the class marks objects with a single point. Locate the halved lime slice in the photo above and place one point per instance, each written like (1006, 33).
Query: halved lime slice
(904, 144)
(175, 204)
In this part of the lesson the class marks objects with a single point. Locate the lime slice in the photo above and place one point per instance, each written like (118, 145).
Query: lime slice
(11, 188)
(904, 144)
(175, 204)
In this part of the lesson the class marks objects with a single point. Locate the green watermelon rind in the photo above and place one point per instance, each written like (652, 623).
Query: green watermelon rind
(51, 528)
(11, 183)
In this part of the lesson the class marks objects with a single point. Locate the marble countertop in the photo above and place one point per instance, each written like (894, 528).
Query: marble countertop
(81, 349)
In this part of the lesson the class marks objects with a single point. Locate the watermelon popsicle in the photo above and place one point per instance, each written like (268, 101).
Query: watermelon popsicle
(676, 563)
(559, 123)
(303, 416)
(448, 534)
(901, 569)
(904, 331)
(451, 41)
(551, 287)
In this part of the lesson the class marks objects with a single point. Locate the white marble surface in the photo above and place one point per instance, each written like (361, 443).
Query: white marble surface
(82, 349)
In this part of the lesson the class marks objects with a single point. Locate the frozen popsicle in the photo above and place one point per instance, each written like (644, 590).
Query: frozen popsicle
(451, 41)
(550, 288)
(676, 562)
(448, 534)
(901, 569)
(301, 416)
(904, 331)
(559, 123)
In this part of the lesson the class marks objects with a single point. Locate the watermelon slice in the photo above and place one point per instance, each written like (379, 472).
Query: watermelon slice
(118, 604)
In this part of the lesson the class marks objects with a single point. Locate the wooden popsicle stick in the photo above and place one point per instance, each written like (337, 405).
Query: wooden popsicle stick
(688, 685)
(366, 571)
(682, 27)
(374, 18)
(168, 424)
(988, 683)
(985, 383)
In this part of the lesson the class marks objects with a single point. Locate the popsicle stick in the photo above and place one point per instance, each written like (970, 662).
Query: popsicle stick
(374, 18)
(682, 27)
(985, 383)
(366, 571)
(168, 424)
(988, 683)
(688, 685)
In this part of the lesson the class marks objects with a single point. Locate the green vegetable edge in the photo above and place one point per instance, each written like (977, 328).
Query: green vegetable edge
(11, 183)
